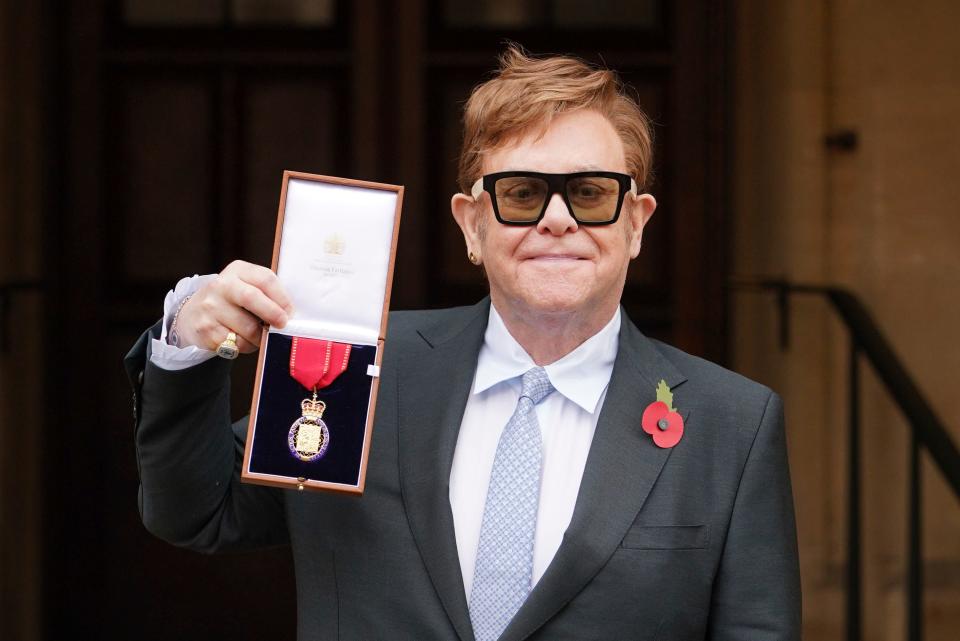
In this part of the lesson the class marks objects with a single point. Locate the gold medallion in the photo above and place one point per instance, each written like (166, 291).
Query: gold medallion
(309, 437)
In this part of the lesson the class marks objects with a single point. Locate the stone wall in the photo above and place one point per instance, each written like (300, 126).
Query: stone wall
(882, 220)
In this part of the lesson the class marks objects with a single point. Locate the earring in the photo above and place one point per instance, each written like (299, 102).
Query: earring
(473, 258)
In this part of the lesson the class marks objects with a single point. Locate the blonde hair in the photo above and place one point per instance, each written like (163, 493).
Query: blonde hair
(526, 92)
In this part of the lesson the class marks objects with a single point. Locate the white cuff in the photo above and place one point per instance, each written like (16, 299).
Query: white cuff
(169, 357)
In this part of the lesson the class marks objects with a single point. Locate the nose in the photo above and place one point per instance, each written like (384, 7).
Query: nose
(557, 220)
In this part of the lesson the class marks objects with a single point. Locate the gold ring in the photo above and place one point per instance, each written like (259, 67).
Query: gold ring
(228, 348)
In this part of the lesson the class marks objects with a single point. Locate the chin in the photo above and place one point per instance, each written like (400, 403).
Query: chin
(555, 300)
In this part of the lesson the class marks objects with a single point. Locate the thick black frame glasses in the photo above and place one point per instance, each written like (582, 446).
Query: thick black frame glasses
(555, 183)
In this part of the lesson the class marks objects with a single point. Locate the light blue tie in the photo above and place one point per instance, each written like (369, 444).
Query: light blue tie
(502, 576)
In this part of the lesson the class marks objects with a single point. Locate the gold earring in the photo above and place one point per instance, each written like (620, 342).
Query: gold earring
(473, 258)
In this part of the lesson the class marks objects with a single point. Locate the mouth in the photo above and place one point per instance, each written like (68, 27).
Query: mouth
(555, 257)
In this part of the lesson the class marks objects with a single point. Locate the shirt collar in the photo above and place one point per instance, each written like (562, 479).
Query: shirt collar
(581, 376)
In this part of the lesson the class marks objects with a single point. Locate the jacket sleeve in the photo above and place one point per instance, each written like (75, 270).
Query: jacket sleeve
(189, 458)
(757, 588)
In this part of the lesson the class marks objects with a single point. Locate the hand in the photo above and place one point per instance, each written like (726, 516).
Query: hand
(240, 299)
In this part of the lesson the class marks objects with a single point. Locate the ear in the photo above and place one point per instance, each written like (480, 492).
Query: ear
(467, 212)
(639, 208)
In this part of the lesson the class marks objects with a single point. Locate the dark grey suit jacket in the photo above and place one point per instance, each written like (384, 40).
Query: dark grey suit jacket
(694, 542)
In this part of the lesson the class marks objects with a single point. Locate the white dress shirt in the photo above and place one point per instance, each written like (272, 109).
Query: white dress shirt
(567, 418)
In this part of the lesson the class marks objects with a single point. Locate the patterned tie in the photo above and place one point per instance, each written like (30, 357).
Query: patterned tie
(501, 579)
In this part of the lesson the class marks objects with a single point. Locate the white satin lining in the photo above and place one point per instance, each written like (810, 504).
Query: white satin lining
(334, 258)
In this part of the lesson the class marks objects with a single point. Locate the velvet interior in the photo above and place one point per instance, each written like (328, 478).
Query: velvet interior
(347, 400)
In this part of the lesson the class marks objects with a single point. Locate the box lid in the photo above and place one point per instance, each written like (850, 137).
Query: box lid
(335, 256)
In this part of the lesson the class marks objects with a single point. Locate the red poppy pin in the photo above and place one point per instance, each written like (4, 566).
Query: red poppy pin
(661, 420)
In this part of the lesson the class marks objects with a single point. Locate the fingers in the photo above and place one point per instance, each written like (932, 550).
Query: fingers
(245, 296)
(206, 325)
(244, 344)
(257, 290)
(267, 282)
(244, 324)
(240, 299)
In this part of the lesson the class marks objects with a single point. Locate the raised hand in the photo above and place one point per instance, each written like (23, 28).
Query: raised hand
(241, 299)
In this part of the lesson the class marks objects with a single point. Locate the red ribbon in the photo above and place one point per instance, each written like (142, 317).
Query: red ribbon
(316, 363)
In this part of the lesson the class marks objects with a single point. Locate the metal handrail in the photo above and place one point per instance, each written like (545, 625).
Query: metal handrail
(926, 430)
(866, 335)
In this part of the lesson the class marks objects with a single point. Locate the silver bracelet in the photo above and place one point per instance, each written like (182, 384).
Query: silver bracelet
(173, 336)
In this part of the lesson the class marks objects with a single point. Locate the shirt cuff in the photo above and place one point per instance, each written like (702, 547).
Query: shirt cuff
(170, 357)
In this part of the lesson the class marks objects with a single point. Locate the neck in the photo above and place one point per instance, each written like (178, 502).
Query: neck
(549, 336)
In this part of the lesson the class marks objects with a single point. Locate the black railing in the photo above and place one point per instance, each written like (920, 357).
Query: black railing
(926, 431)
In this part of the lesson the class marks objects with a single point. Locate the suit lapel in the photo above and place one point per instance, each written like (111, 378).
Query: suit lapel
(622, 466)
(433, 392)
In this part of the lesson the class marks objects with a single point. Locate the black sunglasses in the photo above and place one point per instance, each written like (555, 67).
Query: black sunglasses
(521, 197)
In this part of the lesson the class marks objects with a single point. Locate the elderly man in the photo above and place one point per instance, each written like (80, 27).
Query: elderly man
(524, 482)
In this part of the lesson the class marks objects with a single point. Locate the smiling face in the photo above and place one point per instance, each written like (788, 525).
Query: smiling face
(556, 266)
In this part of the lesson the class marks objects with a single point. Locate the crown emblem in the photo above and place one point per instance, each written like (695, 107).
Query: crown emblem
(334, 244)
(312, 408)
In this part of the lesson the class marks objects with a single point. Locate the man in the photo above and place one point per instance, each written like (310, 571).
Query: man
(515, 488)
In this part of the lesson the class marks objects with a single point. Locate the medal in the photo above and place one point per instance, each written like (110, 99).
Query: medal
(309, 436)
(310, 365)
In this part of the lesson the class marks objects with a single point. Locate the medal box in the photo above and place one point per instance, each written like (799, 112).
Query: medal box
(312, 413)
